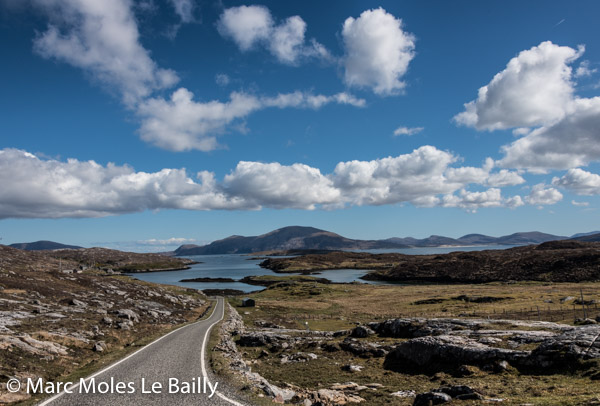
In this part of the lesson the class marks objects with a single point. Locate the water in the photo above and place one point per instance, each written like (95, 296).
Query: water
(237, 266)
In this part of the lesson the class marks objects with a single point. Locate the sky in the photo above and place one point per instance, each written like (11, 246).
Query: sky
(144, 125)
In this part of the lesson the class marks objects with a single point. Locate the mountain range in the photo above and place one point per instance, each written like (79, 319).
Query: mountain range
(310, 238)
(296, 237)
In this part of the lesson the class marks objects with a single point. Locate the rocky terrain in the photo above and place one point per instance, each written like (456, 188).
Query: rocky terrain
(555, 261)
(53, 323)
(83, 258)
(373, 360)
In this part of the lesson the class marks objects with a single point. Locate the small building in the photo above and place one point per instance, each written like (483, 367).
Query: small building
(247, 302)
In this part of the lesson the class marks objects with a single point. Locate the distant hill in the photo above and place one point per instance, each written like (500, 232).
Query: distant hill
(42, 246)
(287, 238)
(588, 237)
(533, 237)
(576, 236)
(310, 238)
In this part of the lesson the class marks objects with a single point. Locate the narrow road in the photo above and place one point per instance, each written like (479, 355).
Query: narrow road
(174, 364)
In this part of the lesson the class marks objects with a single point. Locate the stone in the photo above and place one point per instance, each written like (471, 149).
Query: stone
(100, 346)
(431, 398)
(107, 320)
(404, 394)
(447, 351)
(128, 314)
(352, 368)
(361, 332)
(78, 303)
(570, 348)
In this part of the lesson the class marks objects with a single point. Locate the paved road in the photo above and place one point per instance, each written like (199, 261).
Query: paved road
(178, 355)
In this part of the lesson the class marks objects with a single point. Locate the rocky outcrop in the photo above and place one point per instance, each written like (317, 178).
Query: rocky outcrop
(568, 349)
(445, 351)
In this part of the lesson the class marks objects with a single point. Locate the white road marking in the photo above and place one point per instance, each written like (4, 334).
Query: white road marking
(58, 395)
(219, 394)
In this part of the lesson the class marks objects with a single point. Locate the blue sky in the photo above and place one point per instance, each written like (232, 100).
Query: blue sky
(144, 124)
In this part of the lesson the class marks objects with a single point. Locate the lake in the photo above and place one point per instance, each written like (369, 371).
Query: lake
(237, 266)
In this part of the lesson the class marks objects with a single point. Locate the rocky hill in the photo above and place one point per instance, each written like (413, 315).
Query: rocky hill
(287, 238)
(42, 246)
(16, 259)
(555, 261)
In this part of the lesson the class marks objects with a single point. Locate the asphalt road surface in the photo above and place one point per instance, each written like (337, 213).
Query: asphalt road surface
(170, 371)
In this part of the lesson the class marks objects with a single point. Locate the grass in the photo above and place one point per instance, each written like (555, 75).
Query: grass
(330, 307)
(337, 306)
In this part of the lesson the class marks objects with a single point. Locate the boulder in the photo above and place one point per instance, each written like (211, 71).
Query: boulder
(431, 398)
(442, 352)
(568, 349)
(78, 303)
(361, 332)
(128, 314)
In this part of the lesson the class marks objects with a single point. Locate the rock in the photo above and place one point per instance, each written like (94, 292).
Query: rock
(125, 324)
(429, 353)
(568, 349)
(361, 332)
(431, 398)
(456, 390)
(567, 299)
(352, 368)
(331, 347)
(329, 396)
(404, 394)
(107, 320)
(585, 322)
(259, 339)
(75, 302)
(100, 346)
(127, 314)
(363, 349)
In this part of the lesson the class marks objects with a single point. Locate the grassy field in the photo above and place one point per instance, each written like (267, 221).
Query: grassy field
(335, 307)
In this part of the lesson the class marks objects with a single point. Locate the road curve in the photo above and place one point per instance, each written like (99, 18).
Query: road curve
(175, 361)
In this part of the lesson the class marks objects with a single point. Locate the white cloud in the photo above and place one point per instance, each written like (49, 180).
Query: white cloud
(180, 123)
(504, 178)
(167, 242)
(102, 38)
(579, 181)
(584, 70)
(534, 89)
(222, 79)
(580, 204)
(296, 186)
(34, 187)
(377, 51)
(184, 10)
(571, 142)
(474, 200)
(542, 195)
(251, 26)
(408, 131)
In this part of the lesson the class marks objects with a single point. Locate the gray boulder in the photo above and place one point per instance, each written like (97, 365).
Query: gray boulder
(431, 398)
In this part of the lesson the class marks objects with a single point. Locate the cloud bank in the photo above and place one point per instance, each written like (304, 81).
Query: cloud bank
(34, 187)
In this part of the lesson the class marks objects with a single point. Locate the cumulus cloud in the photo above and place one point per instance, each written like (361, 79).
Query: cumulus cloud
(541, 195)
(584, 70)
(102, 38)
(378, 51)
(35, 187)
(181, 123)
(184, 10)
(408, 130)
(253, 26)
(534, 89)
(296, 186)
(472, 201)
(167, 242)
(579, 181)
(571, 142)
